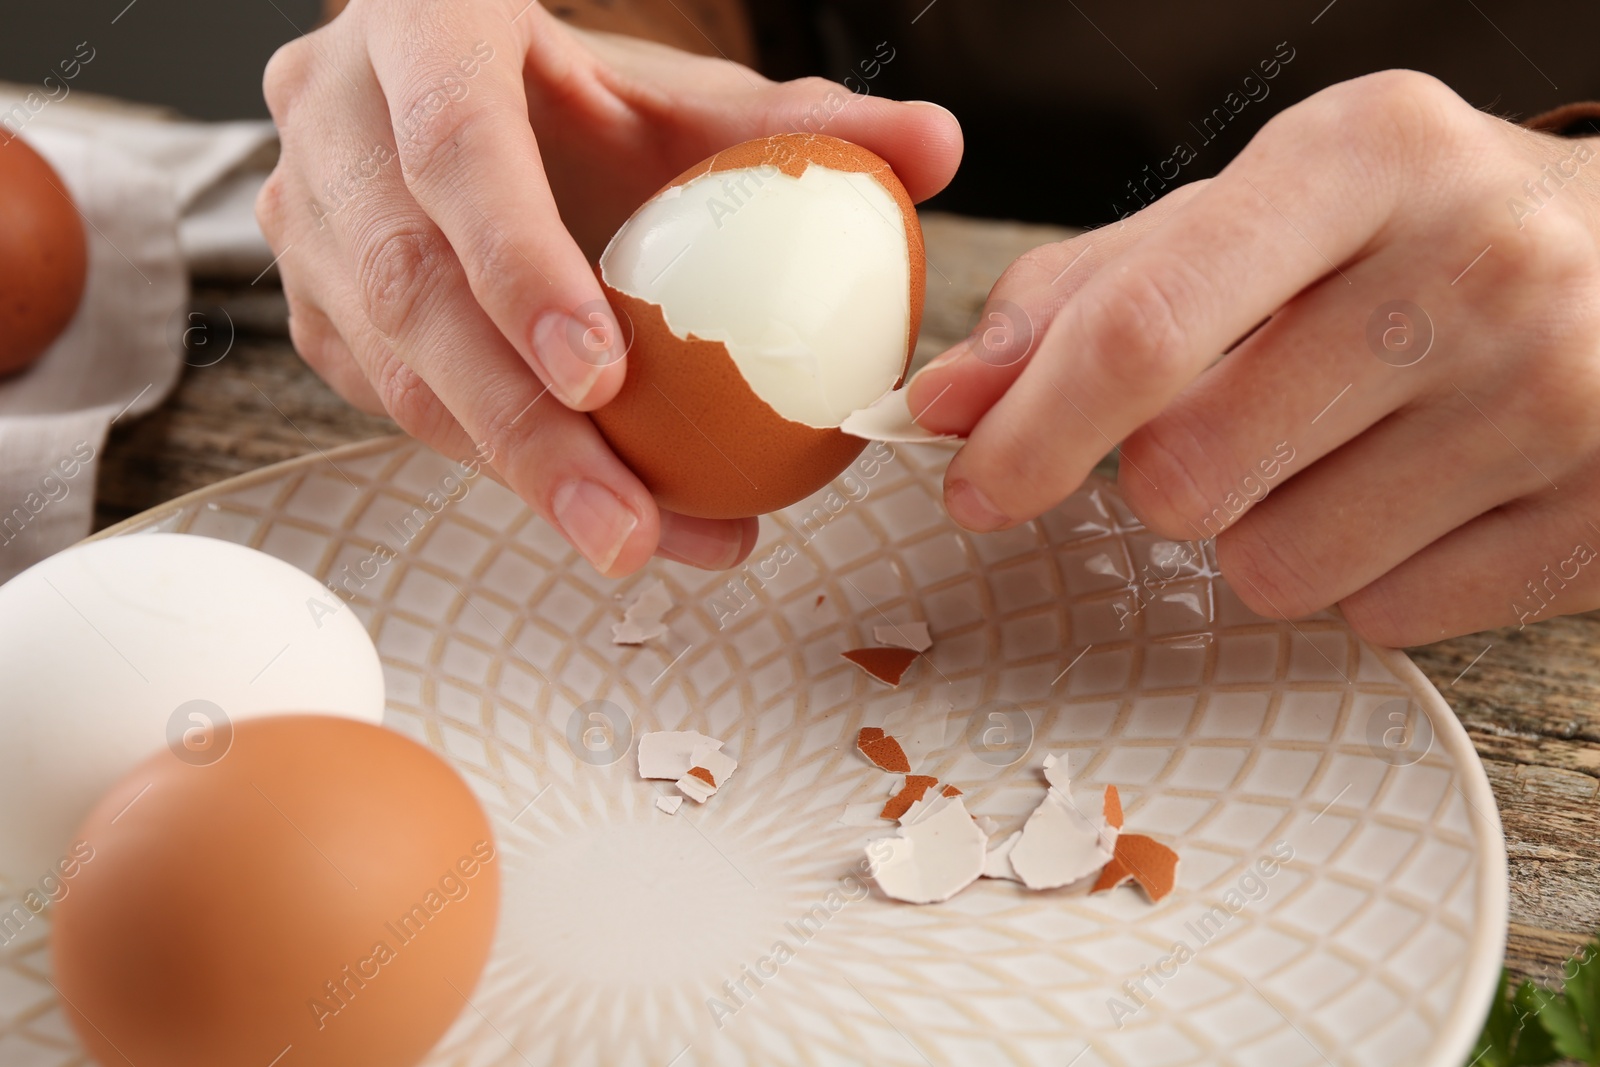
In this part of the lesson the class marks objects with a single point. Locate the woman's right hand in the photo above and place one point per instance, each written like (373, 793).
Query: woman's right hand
(438, 159)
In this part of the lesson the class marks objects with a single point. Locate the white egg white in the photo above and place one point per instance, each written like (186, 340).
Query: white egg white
(805, 281)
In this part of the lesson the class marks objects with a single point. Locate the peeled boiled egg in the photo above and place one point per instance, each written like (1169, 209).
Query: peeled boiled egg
(118, 648)
(770, 292)
(43, 255)
(325, 895)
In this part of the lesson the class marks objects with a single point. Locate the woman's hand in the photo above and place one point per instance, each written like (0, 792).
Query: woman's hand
(435, 243)
(1415, 432)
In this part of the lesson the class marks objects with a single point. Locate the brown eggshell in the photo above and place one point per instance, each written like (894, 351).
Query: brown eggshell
(883, 750)
(43, 255)
(916, 785)
(1111, 805)
(885, 664)
(687, 422)
(234, 910)
(1141, 859)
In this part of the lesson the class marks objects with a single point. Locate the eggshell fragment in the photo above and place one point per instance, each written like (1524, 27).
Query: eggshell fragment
(1055, 772)
(929, 801)
(889, 418)
(867, 814)
(916, 785)
(1059, 843)
(884, 751)
(888, 665)
(1058, 846)
(709, 771)
(950, 791)
(1144, 860)
(932, 859)
(912, 635)
(997, 862)
(669, 753)
(1112, 807)
(765, 306)
(669, 804)
(641, 617)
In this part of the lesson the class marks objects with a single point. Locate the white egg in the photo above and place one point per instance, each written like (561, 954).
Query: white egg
(114, 648)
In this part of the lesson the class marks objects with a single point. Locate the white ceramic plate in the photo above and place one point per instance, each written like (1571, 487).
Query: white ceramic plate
(724, 934)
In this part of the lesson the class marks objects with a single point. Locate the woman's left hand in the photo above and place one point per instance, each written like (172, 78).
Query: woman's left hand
(1414, 434)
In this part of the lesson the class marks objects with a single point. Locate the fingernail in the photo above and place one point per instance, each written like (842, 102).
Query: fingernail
(942, 360)
(571, 354)
(596, 522)
(971, 509)
(703, 543)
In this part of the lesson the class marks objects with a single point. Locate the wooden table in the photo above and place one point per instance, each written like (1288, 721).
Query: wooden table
(1529, 699)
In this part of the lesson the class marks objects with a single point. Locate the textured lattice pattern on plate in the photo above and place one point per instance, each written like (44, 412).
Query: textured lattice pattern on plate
(625, 929)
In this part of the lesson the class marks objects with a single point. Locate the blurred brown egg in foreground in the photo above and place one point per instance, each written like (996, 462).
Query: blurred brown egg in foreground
(43, 255)
(326, 887)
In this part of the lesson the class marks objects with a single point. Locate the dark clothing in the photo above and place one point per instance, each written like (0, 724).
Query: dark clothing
(1074, 111)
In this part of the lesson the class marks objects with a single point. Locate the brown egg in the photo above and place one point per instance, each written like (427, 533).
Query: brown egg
(768, 292)
(43, 255)
(326, 892)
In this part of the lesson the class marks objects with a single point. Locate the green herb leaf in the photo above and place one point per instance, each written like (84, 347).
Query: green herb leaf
(1572, 1018)
(1512, 1036)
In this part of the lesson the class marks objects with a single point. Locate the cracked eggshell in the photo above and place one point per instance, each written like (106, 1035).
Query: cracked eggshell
(1059, 844)
(911, 635)
(641, 617)
(670, 753)
(932, 859)
(997, 864)
(771, 290)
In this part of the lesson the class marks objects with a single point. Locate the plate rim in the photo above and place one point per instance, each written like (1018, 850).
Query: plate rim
(1487, 946)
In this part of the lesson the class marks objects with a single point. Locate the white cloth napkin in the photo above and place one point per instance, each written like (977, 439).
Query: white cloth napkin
(158, 198)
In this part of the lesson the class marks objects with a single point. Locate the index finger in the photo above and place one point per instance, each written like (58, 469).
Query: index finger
(1151, 320)
(460, 114)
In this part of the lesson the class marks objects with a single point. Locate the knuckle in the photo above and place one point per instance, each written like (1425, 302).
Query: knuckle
(1380, 617)
(309, 335)
(429, 133)
(501, 276)
(1169, 483)
(319, 343)
(1041, 261)
(1557, 253)
(409, 400)
(1387, 118)
(285, 77)
(513, 433)
(1133, 332)
(396, 269)
(816, 101)
(1551, 416)
(1265, 567)
(272, 207)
